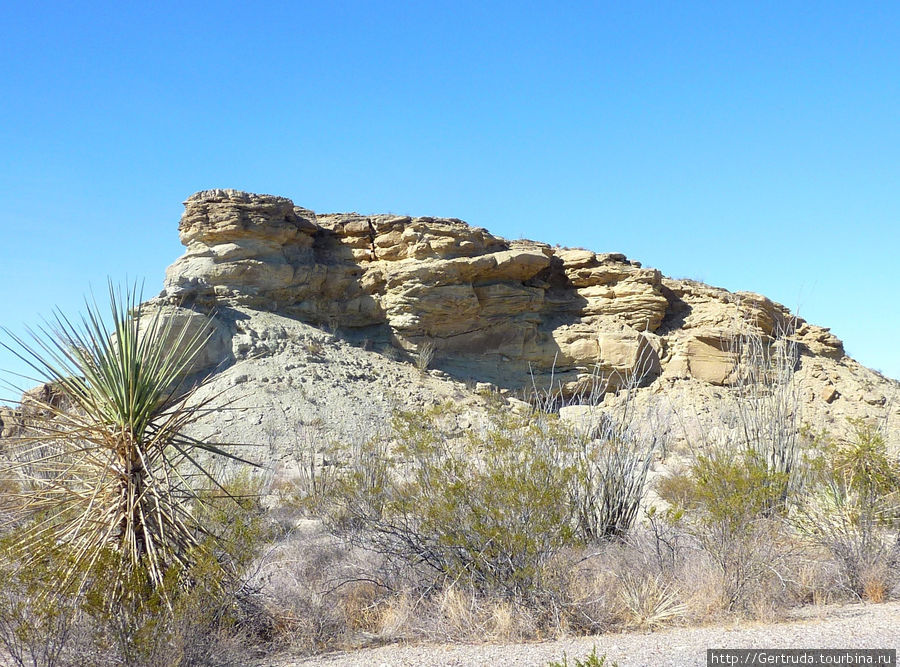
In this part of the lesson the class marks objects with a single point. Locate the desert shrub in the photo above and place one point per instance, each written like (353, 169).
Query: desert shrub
(853, 510)
(135, 623)
(738, 485)
(610, 459)
(728, 489)
(590, 660)
(766, 408)
(424, 355)
(649, 602)
(320, 593)
(610, 447)
(234, 518)
(457, 612)
(314, 347)
(314, 477)
(722, 500)
(35, 628)
(623, 584)
(491, 508)
(320, 459)
(482, 529)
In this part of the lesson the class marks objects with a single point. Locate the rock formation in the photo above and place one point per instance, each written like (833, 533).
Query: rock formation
(316, 316)
(500, 309)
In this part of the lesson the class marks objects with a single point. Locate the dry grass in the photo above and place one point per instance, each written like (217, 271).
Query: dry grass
(394, 614)
(877, 580)
(649, 602)
(424, 355)
(818, 581)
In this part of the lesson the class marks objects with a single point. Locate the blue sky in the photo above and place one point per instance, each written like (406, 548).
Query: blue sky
(754, 146)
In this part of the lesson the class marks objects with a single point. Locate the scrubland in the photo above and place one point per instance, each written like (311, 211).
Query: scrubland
(122, 545)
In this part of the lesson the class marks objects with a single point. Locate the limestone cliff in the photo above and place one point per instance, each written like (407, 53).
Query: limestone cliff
(494, 307)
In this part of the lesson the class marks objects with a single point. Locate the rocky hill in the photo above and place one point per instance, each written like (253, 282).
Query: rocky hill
(320, 318)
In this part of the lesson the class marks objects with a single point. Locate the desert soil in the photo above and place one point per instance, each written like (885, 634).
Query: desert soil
(849, 626)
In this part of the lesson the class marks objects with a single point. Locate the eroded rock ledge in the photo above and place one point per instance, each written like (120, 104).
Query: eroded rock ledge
(496, 307)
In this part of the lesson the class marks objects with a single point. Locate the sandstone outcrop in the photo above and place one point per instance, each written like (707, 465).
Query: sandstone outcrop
(312, 322)
(498, 309)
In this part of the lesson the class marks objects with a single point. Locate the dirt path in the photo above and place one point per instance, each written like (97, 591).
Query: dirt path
(851, 626)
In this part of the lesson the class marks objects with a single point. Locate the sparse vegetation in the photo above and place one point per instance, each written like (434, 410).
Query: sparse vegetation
(852, 510)
(107, 528)
(314, 347)
(424, 355)
(519, 524)
(723, 503)
(766, 403)
(591, 660)
(490, 509)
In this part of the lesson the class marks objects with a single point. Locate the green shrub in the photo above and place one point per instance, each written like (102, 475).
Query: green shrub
(36, 628)
(495, 504)
(853, 506)
(723, 501)
(591, 660)
(730, 490)
(492, 508)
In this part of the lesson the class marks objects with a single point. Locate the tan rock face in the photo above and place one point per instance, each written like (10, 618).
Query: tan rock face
(468, 291)
(495, 311)
(498, 307)
(708, 358)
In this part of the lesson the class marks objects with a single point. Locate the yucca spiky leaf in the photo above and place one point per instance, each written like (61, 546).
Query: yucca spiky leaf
(106, 467)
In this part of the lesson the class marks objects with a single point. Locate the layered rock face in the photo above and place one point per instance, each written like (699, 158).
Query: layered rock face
(493, 309)
(502, 316)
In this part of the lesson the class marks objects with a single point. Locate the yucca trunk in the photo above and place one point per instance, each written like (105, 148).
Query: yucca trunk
(132, 486)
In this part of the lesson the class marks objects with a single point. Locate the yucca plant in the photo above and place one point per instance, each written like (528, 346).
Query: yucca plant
(105, 469)
(648, 601)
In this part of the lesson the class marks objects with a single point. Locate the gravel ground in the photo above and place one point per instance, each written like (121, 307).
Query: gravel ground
(851, 626)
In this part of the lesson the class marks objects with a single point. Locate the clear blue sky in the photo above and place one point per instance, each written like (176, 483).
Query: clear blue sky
(754, 146)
